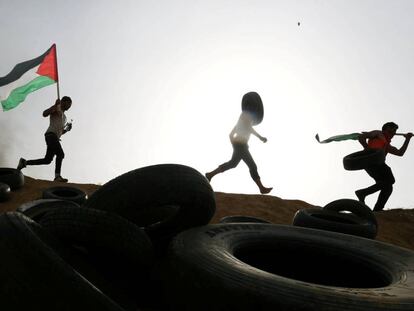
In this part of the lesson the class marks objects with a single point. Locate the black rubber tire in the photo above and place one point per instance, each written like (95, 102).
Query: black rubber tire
(4, 192)
(252, 103)
(34, 277)
(101, 232)
(120, 250)
(12, 177)
(353, 206)
(362, 159)
(141, 193)
(278, 267)
(65, 193)
(77, 259)
(242, 218)
(37, 208)
(321, 219)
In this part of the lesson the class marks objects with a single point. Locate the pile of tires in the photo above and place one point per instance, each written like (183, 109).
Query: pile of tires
(143, 242)
(344, 216)
(113, 241)
(10, 179)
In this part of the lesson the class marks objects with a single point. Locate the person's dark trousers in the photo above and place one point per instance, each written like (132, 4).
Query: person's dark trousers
(53, 148)
(241, 152)
(384, 179)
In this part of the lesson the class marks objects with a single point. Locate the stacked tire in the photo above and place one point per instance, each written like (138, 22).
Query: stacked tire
(344, 216)
(117, 238)
(10, 180)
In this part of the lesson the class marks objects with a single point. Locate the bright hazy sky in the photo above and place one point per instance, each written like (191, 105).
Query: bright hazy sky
(162, 81)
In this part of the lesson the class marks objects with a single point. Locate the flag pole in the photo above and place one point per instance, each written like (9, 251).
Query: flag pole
(58, 92)
(57, 73)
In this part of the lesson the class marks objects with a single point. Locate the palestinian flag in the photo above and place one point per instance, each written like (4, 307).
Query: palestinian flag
(27, 77)
(352, 136)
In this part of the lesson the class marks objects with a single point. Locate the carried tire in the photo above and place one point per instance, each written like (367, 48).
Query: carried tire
(363, 159)
(321, 219)
(12, 177)
(252, 103)
(4, 192)
(179, 196)
(65, 193)
(277, 267)
(37, 208)
(34, 277)
(355, 207)
(242, 218)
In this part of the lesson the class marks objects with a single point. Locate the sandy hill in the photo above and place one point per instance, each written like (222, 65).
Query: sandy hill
(395, 226)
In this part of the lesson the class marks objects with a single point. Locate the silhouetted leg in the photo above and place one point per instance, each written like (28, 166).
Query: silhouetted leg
(234, 161)
(384, 178)
(53, 148)
(362, 193)
(59, 158)
(248, 159)
(383, 197)
(387, 180)
(46, 160)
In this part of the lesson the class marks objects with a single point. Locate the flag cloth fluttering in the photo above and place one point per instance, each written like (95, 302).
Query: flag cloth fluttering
(352, 136)
(27, 77)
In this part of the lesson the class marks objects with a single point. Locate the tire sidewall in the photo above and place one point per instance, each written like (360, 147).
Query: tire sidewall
(66, 193)
(358, 208)
(12, 177)
(205, 272)
(321, 219)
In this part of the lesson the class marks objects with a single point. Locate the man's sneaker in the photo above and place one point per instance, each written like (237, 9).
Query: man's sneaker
(22, 164)
(60, 179)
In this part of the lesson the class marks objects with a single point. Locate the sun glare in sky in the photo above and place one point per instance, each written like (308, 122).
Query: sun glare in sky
(163, 82)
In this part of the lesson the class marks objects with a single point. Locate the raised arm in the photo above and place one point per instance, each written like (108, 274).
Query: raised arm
(55, 108)
(400, 152)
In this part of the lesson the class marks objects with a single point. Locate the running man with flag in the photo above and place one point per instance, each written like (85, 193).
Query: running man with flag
(57, 127)
(27, 77)
(381, 173)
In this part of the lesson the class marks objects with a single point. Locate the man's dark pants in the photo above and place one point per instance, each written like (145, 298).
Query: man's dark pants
(384, 179)
(53, 148)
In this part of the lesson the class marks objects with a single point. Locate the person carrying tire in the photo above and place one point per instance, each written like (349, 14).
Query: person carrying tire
(381, 173)
(57, 127)
(239, 138)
